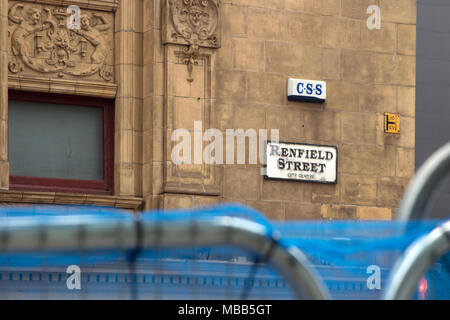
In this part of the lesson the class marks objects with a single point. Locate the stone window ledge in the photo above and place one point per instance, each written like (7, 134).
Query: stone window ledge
(123, 202)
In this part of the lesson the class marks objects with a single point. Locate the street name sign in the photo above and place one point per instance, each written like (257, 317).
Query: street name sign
(301, 162)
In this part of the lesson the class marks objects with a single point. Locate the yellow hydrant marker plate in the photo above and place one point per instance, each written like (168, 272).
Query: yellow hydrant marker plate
(391, 123)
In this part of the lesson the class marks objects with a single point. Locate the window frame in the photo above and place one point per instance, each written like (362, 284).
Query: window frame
(42, 184)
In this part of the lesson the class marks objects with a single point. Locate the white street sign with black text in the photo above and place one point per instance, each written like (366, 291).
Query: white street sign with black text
(301, 162)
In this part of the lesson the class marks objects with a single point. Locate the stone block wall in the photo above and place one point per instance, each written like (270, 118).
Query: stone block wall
(368, 72)
(236, 78)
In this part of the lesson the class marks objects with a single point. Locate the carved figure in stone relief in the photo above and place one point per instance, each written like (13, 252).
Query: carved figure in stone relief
(95, 36)
(26, 28)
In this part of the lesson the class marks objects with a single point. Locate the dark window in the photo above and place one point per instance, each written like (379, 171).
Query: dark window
(60, 143)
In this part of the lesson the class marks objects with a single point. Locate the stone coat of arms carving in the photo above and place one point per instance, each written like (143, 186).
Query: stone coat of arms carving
(192, 22)
(41, 43)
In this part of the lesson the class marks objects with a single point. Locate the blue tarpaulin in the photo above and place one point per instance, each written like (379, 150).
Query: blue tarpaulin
(348, 256)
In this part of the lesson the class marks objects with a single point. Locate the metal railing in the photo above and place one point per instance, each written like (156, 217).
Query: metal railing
(419, 256)
(425, 251)
(28, 235)
(430, 175)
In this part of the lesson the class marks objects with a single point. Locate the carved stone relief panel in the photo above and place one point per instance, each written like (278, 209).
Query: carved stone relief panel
(43, 44)
(192, 22)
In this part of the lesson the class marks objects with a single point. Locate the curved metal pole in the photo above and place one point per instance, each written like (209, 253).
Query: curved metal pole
(426, 180)
(22, 235)
(419, 256)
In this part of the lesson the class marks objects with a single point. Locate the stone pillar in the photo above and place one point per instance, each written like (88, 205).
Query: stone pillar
(128, 153)
(189, 89)
(4, 164)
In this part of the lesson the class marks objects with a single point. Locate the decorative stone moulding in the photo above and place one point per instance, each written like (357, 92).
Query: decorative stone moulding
(193, 23)
(25, 197)
(41, 45)
(186, 102)
(191, 34)
(103, 5)
(62, 86)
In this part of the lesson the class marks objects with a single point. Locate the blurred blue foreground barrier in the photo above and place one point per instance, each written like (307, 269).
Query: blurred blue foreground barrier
(224, 252)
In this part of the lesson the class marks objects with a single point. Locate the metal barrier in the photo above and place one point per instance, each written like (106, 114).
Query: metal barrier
(428, 178)
(22, 235)
(28, 235)
(425, 251)
(416, 261)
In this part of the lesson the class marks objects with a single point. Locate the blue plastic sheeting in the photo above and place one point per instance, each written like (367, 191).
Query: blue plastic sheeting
(350, 243)
(344, 253)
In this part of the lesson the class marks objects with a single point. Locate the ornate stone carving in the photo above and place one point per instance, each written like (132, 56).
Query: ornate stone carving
(41, 43)
(190, 58)
(195, 23)
(192, 22)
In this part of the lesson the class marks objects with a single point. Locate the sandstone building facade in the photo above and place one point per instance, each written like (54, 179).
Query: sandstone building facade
(133, 71)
